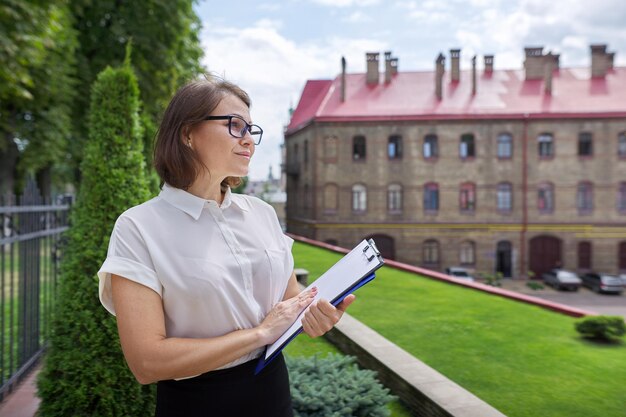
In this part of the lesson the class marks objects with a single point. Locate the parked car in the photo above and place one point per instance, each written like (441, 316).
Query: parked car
(599, 282)
(562, 280)
(623, 277)
(458, 272)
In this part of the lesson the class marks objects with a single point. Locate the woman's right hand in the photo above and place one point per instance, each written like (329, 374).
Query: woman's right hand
(283, 314)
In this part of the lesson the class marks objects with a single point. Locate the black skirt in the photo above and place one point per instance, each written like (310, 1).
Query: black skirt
(232, 392)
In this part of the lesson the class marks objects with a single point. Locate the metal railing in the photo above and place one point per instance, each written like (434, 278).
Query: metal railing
(30, 250)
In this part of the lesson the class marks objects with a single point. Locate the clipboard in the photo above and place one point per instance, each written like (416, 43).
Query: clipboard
(350, 273)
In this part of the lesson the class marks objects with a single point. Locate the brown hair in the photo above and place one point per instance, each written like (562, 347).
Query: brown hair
(177, 164)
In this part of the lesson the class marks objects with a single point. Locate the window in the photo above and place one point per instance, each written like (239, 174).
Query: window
(358, 148)
(585, 144)
(584, 255)
(431, 197)
(621, 145)
(359, 198)
(431, 149)
(306, 151)
(330, 147)
(546, 146)
(394, 198)
(330, 198)
(467, 197)
(584, 197)
(505, 145)
(394, 147)
(430, 253)
(545, 198)
(621, 256)
(504, 196)
(307, 198)
(468, 253)
(621, 197)
(466, 147)
(295, 153)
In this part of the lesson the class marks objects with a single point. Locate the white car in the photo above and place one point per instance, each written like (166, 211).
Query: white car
(623, 277)
(562, 280)
(458, 272)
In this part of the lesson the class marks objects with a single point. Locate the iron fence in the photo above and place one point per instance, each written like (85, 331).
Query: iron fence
(31, 242)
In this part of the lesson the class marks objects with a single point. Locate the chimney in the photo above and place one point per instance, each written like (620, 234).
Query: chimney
(599, 60)
(439, 71)
(372, 76)
(388, 67)
(547, 78)
(343, 79)
(534, 63)
(455, 65)
(554, 59)
(610, 58)
(488, 64)
(474, 75)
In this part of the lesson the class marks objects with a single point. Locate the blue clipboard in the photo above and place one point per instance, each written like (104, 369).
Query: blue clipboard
(263, 362)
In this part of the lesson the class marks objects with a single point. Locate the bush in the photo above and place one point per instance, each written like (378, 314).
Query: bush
(334, 386)
(84, 372)
(606, 328)
(535, 285)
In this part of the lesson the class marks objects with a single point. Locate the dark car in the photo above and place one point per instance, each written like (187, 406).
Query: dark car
(561, 279)
(600, 283)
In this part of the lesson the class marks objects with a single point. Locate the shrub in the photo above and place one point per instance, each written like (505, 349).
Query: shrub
(84, 372)
(334, 386)
(535, 285)
(606, 328)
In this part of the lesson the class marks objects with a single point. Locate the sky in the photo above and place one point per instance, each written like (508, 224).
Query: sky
(271, 48)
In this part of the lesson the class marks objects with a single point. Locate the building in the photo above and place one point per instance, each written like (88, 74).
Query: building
(504, 171)
(272, 191)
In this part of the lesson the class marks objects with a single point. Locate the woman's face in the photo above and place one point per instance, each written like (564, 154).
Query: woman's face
(223, 154)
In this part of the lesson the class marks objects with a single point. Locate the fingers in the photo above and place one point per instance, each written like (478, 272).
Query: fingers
(346, 302)
(320, 317)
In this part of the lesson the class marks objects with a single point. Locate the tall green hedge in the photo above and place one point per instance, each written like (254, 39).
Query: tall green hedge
(84, 372)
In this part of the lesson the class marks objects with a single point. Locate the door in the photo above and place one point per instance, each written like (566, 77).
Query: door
(504, 258)
(385, 245)
(545, 254)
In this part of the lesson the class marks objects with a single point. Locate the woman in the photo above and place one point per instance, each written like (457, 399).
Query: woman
(201, 279)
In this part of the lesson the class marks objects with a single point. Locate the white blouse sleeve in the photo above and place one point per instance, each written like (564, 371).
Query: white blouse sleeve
(127, 257)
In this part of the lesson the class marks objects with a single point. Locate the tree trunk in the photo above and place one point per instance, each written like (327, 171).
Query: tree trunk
(44, 182)
(8, 165)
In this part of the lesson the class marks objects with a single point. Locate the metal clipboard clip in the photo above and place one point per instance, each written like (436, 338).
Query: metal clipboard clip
(371, 247)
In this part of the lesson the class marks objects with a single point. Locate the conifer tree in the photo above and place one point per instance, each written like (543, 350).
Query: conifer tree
(84, 372)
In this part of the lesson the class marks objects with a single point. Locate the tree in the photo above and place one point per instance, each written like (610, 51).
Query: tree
(36, 88)
(166, 51)
(84, 373)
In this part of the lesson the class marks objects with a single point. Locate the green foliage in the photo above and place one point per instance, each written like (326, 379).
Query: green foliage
(84, 373)
(241, 187)
(533, 285)
(604, 328)
(495, 280)
(334, 386)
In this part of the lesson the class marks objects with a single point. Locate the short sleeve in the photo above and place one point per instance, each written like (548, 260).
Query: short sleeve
(128, 256)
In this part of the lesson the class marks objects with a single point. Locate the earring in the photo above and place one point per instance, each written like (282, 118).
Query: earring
(189, 142)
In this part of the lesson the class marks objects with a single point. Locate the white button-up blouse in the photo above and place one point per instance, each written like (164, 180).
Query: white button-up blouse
(217, 268)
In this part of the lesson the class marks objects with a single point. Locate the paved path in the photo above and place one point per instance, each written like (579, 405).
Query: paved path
(23, 402)
(585, 299)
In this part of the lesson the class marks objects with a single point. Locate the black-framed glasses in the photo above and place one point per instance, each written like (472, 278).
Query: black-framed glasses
(237, 127)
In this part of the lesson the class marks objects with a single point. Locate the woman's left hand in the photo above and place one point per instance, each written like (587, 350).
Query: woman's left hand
(321, 316)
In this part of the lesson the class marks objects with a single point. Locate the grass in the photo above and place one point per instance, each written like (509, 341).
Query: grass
(521, 359)
(303, 345)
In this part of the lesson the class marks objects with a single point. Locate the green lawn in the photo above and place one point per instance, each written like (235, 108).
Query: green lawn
(523, 360)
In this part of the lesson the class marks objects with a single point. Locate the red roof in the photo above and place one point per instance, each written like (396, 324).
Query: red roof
(504, 94)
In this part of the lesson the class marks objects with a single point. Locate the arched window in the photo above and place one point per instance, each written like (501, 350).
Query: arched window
(394, 147)
(359, 197)
(306, 152)
(358, 148)
(467, 253)
(467, 197)
(621, 197)
(331, 200)
(584, 255)
(394, 198)
(431, 196)
(504, 196)
(585, 144)
(505, 145)
(330, 147)
(467, 148)
(584, 197)
(546, 145)
(430, 252)
(545, 197)
(621, 145)
(431, 148)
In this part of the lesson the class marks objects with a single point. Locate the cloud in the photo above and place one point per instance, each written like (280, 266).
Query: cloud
(358, 17)
(273, 70)
(346, 3)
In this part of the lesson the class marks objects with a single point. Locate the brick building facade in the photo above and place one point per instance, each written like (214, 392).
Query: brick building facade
(497, 170)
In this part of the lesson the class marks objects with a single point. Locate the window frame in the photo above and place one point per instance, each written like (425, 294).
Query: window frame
(356, 207)
(464, 193)
(551, 143)
(499, 188)
(509, 143)
(427, 189)
(396, 140)
(467, 247)
(547, 186)
(471, 146)
(429, 247)
(396, 189)
(587, 197)
(588, 141)
(354, 148)
(434, 144)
